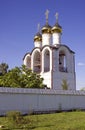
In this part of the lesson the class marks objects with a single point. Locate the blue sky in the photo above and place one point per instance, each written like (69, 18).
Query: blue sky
(18, 25)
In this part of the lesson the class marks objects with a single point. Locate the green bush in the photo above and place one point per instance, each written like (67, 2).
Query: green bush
(15, 116)
(18, 121)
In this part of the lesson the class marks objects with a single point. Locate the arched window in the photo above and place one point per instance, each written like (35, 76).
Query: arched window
(28, 62)
(46, 61)
(62, 62)
(37, 62)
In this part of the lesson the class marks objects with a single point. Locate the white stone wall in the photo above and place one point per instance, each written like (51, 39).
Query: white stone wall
(58, 77)
(47, 79)
(29, 100)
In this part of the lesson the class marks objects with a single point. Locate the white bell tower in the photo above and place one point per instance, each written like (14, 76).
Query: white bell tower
(54, 61)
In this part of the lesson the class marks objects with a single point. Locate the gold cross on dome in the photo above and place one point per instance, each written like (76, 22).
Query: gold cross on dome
(56, 15)
(38, 27)
(46, 14)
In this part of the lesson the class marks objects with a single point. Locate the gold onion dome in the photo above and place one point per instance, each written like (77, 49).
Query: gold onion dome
(57, 28)
(38, 37)
(46, 29)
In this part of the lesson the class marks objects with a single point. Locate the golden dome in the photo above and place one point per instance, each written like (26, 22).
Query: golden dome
(38, 37)
(46, 29)
(57, 28)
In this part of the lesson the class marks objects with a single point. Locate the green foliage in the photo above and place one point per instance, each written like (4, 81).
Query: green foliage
(3, 68)
(21, 77)
(64, 84)
(82, 89)
(15, 116)
(17, 121)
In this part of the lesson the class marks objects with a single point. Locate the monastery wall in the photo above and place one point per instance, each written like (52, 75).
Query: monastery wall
(41, 100)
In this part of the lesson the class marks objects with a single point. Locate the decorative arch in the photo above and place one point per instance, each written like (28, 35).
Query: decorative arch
(37, 62)
(28, 62)
(46, 60)
(62, 61)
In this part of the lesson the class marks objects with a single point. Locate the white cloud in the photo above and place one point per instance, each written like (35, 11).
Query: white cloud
(81, 64)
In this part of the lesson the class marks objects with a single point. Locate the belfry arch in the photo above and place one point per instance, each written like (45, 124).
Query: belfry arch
(37, 62)
(46, 60)
(62, 61)
(28, 62)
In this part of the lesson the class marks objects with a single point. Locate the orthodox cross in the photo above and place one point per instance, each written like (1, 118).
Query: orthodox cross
(38, 27)
(56, 15)
(46, 14)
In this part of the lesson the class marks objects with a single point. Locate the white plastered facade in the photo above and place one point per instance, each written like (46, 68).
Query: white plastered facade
(45, 62)
(61, 72)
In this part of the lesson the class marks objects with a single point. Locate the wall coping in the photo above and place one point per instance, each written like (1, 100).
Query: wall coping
(40, 91)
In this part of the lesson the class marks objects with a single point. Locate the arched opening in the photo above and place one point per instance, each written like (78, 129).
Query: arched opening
(46, 61)
(28, 62)
(62, 62)
(37, 62)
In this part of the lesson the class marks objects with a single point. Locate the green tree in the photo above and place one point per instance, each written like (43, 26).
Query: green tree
(64, 84)
(3, 68)
(82, 89)
(21, 77)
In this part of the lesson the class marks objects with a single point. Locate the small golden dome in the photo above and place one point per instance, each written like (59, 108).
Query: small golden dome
(46, 29)
(38, 37)
(57, 28)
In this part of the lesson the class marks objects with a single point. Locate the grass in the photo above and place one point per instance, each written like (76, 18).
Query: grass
(57, 121)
